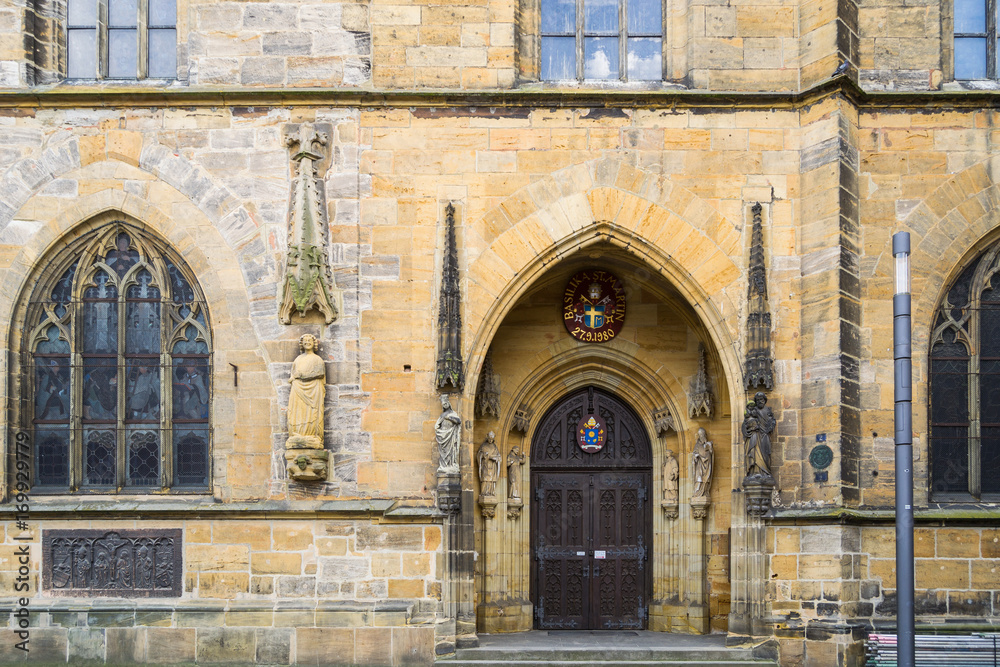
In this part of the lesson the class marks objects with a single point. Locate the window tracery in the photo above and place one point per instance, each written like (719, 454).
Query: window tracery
(117, 362)
(964, 411)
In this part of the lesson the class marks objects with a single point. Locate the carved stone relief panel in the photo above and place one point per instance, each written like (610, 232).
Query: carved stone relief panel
(121, 563)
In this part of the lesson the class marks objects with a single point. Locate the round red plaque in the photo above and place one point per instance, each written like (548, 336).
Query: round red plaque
(591, 434)
(594, 306)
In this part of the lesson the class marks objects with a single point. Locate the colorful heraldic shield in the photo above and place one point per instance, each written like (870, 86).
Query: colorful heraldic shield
(594, 306)
(591, 434)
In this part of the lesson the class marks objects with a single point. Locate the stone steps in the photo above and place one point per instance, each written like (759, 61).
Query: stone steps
(618, 657)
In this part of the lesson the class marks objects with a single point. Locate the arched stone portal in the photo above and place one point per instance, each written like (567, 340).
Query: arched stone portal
(648, 368)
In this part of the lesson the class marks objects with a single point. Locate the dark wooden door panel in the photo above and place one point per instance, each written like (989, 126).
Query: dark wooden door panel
(591, 518)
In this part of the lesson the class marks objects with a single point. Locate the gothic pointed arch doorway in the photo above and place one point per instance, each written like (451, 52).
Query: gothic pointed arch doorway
(591, 522)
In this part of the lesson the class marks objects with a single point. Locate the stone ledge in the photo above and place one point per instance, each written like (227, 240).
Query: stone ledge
(985, 514)
(201, 507)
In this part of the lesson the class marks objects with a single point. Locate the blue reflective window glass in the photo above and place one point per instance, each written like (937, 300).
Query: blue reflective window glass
(600, 58)
(970, 58)
(558, 58)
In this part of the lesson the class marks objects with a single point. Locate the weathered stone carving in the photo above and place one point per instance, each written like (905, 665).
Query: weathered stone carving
(671, 476)
(448, 433)
(758, 348)
(308, 281)
(305, 402)
(522, 419)
(515, 459)
(700, 400)
(488, 458)
(702, 464)
(663, 419)
(488, 390)
(124, 563)
(450, 372)
(308, 465)
(758, 424)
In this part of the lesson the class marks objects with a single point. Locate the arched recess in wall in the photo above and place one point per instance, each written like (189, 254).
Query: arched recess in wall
(514, 289)
(112, 364)
(951, 231)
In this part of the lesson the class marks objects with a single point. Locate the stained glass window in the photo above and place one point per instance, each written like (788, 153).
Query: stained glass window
(965, 386)
(120, 376)
(595, 40)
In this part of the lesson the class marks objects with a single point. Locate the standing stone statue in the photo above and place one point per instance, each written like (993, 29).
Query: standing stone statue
(758, 424)
(448, 432)
(305, 404)
(515, 459)
(671, 473)
(702, 460)
(488, 458)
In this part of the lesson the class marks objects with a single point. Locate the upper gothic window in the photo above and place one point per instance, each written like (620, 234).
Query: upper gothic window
(965, 386)
(117, 368)
(619, 40)
(975, 39)
(121, 39)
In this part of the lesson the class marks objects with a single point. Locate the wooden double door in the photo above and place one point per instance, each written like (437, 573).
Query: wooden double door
(591, 518)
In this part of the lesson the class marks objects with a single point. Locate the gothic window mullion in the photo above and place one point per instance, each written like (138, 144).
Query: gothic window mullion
(975, 427)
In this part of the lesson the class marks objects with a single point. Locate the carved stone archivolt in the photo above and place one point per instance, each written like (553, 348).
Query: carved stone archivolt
(308, 281)
(123, 563)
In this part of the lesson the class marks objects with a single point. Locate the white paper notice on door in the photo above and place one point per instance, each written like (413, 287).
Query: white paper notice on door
(600, 554)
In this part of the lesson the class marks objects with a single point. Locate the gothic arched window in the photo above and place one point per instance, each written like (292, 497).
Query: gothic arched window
(116, 368)
(965, 386)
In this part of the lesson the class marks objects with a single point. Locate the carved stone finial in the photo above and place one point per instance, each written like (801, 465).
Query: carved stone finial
(700, 401)
(308, 281)
(488, 391)
(663, 419)
(450, 372)
(759, 365)
(522, 419)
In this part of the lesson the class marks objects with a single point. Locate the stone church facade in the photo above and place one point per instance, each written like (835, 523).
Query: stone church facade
(452, 198)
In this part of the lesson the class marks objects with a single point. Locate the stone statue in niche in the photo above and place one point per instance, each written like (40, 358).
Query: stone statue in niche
(515, 459)
(758, 424)
(671, 477)
(702, 462)
(448, 433)
(305, 404)
(488, 458)
(306, 459)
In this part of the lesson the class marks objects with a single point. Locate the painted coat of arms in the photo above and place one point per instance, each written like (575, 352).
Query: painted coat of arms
(594, 306)
(591, 434)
